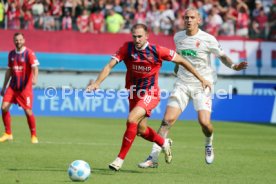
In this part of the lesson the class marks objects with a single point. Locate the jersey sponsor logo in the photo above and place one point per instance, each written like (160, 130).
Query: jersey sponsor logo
(141, 68)
(22, 60)
(17, 68)
(188, 52)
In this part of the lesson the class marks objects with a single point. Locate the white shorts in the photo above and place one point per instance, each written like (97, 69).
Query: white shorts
(182, 93)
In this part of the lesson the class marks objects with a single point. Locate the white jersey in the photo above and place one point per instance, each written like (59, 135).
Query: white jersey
(197, 50)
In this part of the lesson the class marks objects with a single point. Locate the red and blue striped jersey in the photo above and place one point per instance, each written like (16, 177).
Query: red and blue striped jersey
(20, 64)
(143, 65)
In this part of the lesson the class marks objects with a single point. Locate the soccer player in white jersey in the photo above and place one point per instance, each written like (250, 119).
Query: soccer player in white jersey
(195, 46)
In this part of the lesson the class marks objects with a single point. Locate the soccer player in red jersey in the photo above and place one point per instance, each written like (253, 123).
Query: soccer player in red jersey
(143, 61)
(22, 73)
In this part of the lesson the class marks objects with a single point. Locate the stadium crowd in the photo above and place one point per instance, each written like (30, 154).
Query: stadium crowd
(245, 18)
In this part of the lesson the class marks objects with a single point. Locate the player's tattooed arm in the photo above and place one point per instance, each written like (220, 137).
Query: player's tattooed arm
(229, 63)
(226, 61)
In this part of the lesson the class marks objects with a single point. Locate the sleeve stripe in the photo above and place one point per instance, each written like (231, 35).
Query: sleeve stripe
(174, 55)
(35, 64)
(117, 60)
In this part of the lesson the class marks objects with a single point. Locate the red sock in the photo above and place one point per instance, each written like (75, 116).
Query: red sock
(152, 136)
(31, 123)
(128, 139)
(6, 116)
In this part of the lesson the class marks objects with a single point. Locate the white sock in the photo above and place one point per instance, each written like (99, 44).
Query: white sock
(155, 151)
(119, 160)
(209, 140)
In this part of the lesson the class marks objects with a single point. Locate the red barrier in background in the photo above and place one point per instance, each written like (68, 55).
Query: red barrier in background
(75, 42)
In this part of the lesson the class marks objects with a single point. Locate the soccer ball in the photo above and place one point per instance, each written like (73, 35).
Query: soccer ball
(79, 170)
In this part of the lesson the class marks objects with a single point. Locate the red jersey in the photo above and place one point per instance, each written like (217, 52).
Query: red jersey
(97, 19)
(143, 65)
(21, 64)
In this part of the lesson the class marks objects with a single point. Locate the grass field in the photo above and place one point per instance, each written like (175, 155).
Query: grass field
(244, 153)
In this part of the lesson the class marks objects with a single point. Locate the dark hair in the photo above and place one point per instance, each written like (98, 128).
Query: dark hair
(136, 26)
(17, 33)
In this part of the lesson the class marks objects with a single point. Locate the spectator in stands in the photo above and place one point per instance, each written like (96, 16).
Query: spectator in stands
(202, 11)
(13, 16)
(2, 14)
(37, 11)
(100, 4)
(56, 11)
(143, 4)
(167, 19)
(67, 21)
(68, 5)
(153, 18)
(179, 24)
(257, 9)
(259, 25)
(83, 22)
(96, 22)
(128, 14)
(228, 26)
(140, 15)
(47, 22)
(272, 22)
(118, 7)
(213, 22)
(27, 5)
(242, 22)
(114, 21)
(237, 10)
(28, 23)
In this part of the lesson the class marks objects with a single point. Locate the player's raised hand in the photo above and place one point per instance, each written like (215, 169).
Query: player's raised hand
(241, 66)
(92, 86)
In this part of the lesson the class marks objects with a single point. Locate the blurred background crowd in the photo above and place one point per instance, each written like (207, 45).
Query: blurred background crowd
(245, 18)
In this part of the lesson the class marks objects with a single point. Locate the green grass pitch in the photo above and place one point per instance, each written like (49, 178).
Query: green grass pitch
(244, 153)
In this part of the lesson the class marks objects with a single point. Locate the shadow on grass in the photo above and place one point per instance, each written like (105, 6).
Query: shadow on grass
(107, 171)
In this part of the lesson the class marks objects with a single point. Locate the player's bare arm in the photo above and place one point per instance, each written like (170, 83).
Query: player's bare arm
(35, 74)
(181, 61)
(6, 80)
(102, 76)
(229, 63)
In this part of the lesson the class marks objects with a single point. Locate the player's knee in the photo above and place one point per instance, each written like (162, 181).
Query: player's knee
(205, 123)
(131, 119)
(28, 112)
(168, 120)
(4, 108)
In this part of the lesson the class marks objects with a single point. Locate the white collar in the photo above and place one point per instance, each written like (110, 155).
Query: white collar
(143, 48)
(20, 52)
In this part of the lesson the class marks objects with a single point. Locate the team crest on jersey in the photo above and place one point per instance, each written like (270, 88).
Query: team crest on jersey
(134, 56)
(197, 43)
(12, 59)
